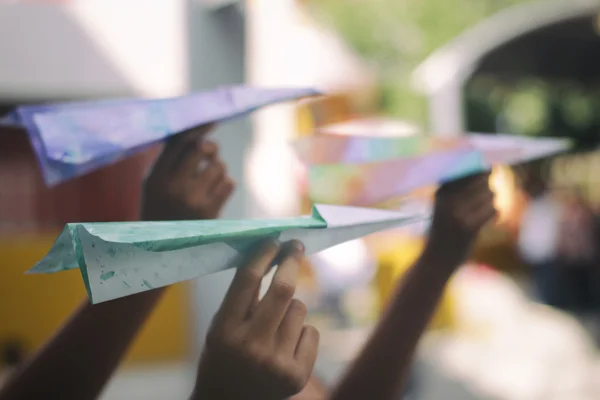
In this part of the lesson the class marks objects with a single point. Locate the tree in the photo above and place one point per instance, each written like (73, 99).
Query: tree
(396, 35)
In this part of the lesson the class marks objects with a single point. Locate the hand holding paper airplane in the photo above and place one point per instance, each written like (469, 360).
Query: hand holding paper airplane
(188, 180)
(72, 139)
(117, 259)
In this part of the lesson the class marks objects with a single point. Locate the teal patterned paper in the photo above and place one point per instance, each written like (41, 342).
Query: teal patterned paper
(117, 259)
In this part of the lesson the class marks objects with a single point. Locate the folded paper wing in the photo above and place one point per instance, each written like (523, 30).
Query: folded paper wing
(357, 174)
(337, 149)
(122, 258)
(72, 139)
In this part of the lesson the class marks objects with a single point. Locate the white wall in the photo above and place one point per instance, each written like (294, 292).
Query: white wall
(87, 48)
(286, 48)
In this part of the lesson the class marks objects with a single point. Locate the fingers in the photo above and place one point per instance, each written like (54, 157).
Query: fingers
(211, 189)
(474, 198)
(208, 148)
(174, 149)
(202, 180)
(308, 345)
(470, 183)
(467, 204)
(481, 216)
(211, 176)
(463, 190)
(271, 310)
(458, 184)
(271, 346)
(190, 162)
(290, 329)
(478, 204)
(246, 284)
(193, 135)
(195, 160)
(203, 130)
(169, 157)
(482, 197)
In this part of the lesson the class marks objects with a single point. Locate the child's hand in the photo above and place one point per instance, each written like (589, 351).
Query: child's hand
(259, 349)
(187, 181)
(462, 208)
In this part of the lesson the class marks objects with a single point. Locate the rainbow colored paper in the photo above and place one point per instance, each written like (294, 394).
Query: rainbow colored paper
(338, 149)
(365, 171)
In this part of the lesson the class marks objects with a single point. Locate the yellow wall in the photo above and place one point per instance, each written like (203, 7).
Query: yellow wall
(394, 263)
(32, 307)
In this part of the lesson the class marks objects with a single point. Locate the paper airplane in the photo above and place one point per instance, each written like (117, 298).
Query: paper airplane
(72, 139)
(117, 259)
(338, 149)
(364, 171)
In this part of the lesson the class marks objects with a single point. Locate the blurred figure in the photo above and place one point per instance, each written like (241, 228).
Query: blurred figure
(577, 239)
(558, 239)
(540, 224)
(578, 256)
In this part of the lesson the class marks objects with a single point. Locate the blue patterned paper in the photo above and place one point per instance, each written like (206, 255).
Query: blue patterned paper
(72, 139)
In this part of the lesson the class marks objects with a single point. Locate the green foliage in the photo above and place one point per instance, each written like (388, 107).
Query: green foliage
(533, 107)
(396, 35)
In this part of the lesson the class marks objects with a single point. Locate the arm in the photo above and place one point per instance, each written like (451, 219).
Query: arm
(385, 361)
(462, 208)
(78, 361)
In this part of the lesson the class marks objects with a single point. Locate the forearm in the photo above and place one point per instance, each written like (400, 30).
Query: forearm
(381, 368)
(80, 359)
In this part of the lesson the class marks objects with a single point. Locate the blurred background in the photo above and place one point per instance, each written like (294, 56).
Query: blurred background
(521, 320)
